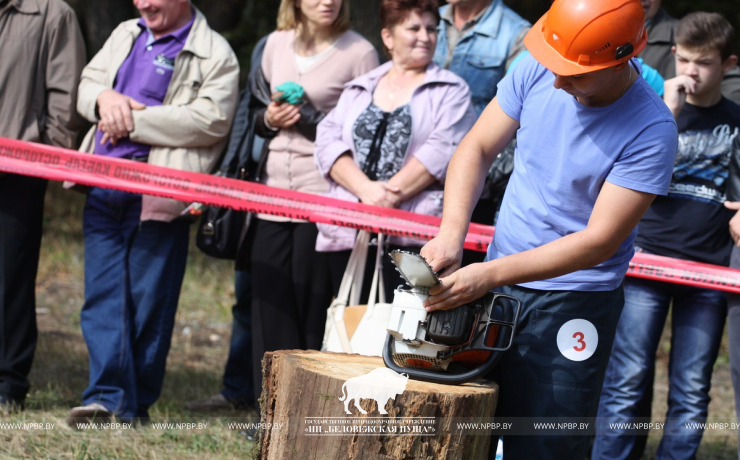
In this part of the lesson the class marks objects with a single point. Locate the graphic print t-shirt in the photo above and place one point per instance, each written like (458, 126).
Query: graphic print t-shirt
(692, 222)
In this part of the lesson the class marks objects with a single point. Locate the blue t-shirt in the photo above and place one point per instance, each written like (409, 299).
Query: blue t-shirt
(653, 77)
(565, 152)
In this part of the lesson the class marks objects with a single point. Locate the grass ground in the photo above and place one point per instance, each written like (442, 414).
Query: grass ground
(60, 369)
(194, 366)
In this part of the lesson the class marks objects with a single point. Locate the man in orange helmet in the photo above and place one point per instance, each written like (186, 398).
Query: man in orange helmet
(595, 146)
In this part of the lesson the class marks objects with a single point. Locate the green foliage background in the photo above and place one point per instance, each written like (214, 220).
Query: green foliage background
(243, 22)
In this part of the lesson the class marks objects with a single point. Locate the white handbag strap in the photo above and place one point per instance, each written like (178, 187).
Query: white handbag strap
(379, 268)
(350, 287)
(361, 246)
(349, 290)
(377, 286)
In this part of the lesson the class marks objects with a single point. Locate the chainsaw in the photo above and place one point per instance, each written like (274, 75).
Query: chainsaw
(445, 346)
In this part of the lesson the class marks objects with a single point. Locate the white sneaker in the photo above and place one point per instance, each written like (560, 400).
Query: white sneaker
(94, 412)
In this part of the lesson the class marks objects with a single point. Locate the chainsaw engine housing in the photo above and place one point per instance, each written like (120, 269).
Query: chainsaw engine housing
(451, 327)
(451, 346)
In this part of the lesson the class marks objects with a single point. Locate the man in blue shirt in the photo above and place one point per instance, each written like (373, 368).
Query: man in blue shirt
(478, 39)
(595, 146)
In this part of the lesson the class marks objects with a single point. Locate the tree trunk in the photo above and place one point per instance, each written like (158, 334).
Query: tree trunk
(531, 10)
(365, 19)
(223, 15)
(304, 414)
(99, 18)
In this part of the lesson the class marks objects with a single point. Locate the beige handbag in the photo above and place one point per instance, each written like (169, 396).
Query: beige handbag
(354, 328)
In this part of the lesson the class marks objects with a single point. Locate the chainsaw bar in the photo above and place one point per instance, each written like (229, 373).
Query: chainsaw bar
(414, 269)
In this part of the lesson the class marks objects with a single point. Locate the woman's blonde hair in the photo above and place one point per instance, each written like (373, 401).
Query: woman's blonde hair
(289, 16)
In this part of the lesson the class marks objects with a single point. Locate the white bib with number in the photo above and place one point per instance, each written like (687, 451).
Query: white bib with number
(577, 339)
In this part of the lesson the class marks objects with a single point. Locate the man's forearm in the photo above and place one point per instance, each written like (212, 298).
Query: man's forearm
(568, 254)
(463, 187)
(469, 166)
(616, 213)
(464, 183)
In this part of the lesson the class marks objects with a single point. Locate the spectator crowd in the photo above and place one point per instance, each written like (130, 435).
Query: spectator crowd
(614, 124)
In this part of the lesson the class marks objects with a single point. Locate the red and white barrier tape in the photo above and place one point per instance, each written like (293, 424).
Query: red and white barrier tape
(55, 163)
(660, 268)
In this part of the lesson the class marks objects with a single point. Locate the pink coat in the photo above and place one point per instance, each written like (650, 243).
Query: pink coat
(441, 114)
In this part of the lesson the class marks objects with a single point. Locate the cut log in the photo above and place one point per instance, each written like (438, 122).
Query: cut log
(305, 393)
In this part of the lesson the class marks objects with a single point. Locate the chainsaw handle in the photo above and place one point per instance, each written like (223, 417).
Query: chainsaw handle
(436, 377)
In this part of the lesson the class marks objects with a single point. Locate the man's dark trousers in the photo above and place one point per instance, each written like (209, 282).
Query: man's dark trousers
(238, 384)
(540, 384)
(21, 217)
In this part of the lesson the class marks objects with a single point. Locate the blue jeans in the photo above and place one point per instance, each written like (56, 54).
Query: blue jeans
(133, 274)
(698, 317)
(733, 332)
(238, 385)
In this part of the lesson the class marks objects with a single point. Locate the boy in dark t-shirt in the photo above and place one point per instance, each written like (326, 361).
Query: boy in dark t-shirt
(691, 223)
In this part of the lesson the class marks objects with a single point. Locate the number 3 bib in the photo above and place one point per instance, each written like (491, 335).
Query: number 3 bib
(577, 339)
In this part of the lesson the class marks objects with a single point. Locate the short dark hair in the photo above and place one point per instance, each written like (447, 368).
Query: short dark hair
(394, 12)
(706, 31)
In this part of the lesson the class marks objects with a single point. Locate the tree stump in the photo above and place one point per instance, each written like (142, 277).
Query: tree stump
(303, 416)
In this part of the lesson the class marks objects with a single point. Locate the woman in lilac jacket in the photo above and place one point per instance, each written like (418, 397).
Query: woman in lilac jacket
(390, 137)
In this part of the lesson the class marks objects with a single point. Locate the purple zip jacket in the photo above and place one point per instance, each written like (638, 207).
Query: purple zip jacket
(441, 114)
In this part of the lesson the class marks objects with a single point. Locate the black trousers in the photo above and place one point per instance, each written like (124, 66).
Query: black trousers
(543, 380)
(21, 217)
(291, 290)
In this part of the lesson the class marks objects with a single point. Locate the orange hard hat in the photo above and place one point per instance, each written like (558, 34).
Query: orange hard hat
(580, 36)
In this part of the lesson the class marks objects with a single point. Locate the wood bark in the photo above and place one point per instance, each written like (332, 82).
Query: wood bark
(299, 384)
